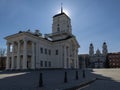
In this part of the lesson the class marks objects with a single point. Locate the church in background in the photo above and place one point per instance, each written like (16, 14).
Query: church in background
(32, 50)
(98, 59)
(94, 60)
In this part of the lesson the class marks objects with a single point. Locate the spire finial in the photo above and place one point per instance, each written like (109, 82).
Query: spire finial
(61, 8)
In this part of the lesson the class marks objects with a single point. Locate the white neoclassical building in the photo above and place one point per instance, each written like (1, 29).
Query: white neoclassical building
(31, 50)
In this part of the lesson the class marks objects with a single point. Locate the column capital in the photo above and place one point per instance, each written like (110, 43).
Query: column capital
(18, 41)
(33, 42)
(8, 43)
(25, 39)
(12, 42)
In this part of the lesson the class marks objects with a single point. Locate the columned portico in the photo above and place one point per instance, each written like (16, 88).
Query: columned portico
(21, 54)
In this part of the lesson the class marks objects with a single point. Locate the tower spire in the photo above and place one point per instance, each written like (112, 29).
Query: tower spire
(61, 8)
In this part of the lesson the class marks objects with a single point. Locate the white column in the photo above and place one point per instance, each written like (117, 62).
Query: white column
(33, 56)
(62, 56)
(69, 66)
(37, 55)
(25, 55)
(74, 58)
(18, 56)
(12, 64)
(8, 61)
(77, 60)
(65, 61)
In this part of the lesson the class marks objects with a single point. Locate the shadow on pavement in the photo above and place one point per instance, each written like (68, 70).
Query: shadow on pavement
(54, 79)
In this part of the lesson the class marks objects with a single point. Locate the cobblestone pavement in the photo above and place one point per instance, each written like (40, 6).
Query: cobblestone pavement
(109, 79)
(29, 80)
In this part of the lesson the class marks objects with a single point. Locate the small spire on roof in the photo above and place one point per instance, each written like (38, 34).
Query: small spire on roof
(61, 8)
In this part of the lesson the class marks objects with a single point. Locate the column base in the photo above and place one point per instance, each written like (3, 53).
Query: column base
(32, 68)
(7, 69)
(13, 69)
(17, 68)
(24, 69)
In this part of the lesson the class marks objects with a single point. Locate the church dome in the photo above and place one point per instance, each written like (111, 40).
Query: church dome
(91, 44)
(98, 52)
(104, 43)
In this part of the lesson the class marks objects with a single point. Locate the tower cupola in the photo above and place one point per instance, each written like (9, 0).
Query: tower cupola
(91, 50)
(104, 49)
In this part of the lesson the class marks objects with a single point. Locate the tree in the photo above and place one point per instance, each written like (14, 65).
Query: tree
(2, 54)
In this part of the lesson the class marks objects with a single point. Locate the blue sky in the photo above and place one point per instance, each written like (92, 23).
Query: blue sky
(93, 21)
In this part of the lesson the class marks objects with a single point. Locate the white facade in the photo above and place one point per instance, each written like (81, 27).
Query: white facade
(28, 50)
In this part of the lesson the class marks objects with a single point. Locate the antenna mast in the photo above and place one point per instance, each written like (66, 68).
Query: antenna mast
(61, 8)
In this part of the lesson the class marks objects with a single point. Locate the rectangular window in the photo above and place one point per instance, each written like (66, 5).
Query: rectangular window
(113, 63)
(49, 63)
(45, 63)
(49, 52)
(56, 52)
(41, 50)
(45, 51)
(41, 63)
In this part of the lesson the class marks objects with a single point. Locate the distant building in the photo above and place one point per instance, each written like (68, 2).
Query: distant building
(98, 59)
(2, 62)
(30, 50)
(113, 60)
(84, 61)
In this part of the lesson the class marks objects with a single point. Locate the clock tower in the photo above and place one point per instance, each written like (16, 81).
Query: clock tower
(61, 27)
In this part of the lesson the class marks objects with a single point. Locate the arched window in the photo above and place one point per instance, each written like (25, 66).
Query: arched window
(58, 29)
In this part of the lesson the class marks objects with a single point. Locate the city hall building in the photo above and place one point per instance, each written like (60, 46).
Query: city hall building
(32, 50)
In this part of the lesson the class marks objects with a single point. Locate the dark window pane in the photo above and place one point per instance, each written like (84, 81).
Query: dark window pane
(41, 50)
(56, 52)
(45, 51)
(41, 63)
(49, 64)
(45, 63)
(49, 52)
